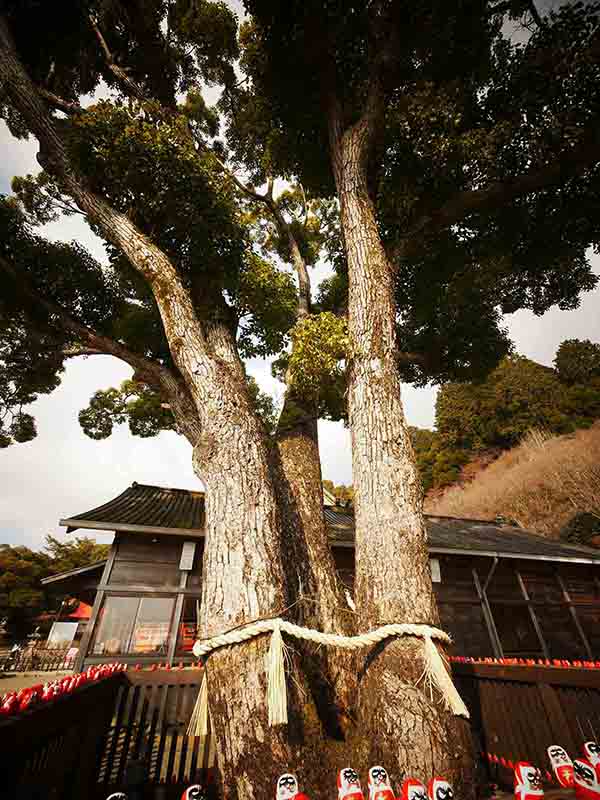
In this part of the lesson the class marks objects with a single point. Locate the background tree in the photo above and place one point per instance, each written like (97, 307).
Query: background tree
(496, 413)
(22, 596)
(342, 493)
(578, 361)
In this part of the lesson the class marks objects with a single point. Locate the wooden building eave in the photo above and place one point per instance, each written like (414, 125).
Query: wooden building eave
(73, 524)
(461, 551)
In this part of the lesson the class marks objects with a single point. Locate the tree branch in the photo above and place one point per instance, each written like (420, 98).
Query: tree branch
(73, 352)
(304, 298)
(535, 13)
(93, 341)
(132, 87)
(146, 370)
(498, 194)
(260, 198)
(58, 103)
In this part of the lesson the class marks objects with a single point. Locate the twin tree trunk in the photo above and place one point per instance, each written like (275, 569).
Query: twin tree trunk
(249, 505)
(399, 726)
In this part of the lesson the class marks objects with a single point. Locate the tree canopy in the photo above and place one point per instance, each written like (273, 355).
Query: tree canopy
(159, 153)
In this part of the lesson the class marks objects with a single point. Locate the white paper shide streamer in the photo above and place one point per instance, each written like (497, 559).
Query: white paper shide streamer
(435, 673)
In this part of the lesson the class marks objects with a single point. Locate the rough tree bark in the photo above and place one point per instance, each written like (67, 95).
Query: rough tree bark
(243, 573)
(399, 725)
(311, 569)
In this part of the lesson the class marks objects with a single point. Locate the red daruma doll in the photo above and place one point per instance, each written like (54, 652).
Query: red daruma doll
(379, 785)
(591, 750)
(561, 765)
(412, 789)
(440, 789)
(287, 788)
(349, 785)
(587, 786)
(528, 781)
(194, 792)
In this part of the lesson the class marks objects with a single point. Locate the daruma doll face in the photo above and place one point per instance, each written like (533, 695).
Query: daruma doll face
(413, 789)
(561, 764)
(592, 752)
(287, 786)
(194, 792)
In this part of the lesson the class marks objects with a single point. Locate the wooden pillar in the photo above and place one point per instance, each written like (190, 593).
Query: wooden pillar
(183, 579)
(487, 611)
(87, 636)
(573, 612)
(532, 615)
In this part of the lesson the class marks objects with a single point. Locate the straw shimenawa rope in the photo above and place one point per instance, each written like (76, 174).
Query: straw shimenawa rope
(435, 670)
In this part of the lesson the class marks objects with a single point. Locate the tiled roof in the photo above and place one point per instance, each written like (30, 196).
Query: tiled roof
(143, 508)
(480, 537)
(154, 509)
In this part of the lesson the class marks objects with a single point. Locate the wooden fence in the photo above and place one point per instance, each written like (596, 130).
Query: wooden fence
(518, 712)
(52, 750)
(149, 725)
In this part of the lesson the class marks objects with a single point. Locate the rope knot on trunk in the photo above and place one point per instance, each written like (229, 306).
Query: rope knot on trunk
(435, 672)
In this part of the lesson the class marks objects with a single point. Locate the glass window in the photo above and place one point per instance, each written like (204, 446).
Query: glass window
(152, 625)
(61, 635)
(137, 625)
(188, 628)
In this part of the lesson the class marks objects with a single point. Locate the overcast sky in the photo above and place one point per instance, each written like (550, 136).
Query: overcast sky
(62, 472)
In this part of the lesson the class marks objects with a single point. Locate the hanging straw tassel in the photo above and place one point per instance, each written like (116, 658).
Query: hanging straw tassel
(437, 674)
(276, 688)
(199, 720)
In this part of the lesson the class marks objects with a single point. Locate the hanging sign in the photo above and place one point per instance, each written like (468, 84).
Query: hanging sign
(187, 556)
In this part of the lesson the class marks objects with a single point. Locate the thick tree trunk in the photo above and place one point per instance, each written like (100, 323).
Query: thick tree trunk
(310, 566)
(399, 724)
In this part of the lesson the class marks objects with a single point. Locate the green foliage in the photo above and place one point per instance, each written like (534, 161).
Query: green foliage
(319, 347)
(518, 396)
(438, 465)
(266, 303)
(134, 403)
(32, 340)
(142, 408)
(22, 596)
(73, 553)
(577, 361)
(343, 494)
(464, 109)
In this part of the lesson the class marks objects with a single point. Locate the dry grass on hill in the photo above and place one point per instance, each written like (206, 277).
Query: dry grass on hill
(540, 484)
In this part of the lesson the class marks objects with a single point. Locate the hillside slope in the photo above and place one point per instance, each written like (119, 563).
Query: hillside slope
(541, 484)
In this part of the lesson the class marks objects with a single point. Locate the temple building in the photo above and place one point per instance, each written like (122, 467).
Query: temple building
(501, 591)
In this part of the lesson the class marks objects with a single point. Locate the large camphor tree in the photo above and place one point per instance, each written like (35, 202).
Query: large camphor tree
(430, 134)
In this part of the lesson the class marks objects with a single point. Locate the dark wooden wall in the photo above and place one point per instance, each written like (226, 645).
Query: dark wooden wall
(513, 606)
(491, 607)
